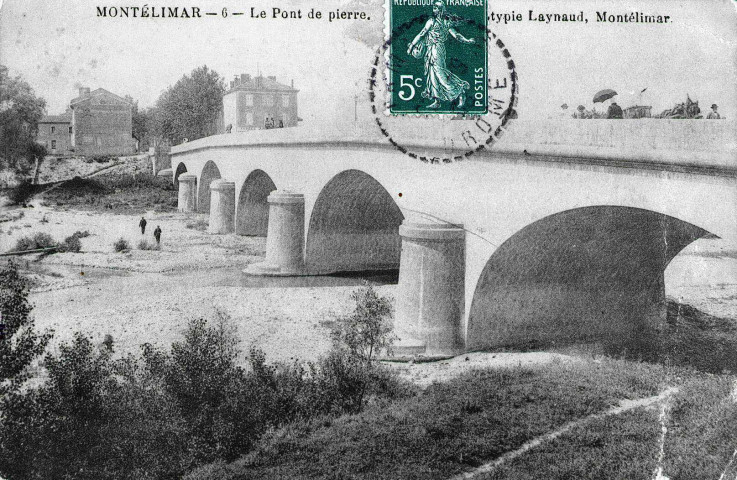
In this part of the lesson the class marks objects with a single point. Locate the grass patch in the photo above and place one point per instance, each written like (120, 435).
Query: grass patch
(595, 450)
(449, 428)
(698, 340)
(146, 245)
(121, 193)
(698, 444)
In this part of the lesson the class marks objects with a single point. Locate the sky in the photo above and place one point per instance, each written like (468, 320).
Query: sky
(57, 46)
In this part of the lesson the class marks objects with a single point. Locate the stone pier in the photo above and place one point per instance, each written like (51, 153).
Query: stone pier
(285, 236)
(187, 201)
(430, 299)
(222, 207)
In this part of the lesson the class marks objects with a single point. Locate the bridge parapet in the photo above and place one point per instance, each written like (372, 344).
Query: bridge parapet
(700, 146)
(650, 142)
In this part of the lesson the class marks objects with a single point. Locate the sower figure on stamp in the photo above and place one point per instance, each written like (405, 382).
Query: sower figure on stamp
(157, 234)
(440, 83)
(142, 224)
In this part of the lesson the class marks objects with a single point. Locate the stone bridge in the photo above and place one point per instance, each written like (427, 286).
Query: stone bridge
(561, 232)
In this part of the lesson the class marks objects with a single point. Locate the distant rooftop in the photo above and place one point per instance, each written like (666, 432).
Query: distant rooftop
(84, 94)
(259, 83)
(63, 118)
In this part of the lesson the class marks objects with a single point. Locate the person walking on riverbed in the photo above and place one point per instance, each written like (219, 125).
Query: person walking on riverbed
(157, 234)
(142, 224)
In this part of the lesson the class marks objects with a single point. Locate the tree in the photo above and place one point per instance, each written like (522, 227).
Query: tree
(190, 109)
(20, 345)
(20, 112)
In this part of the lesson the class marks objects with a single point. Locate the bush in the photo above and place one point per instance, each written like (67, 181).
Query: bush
(20, 344)
(94, 417)
(145, 245)
(22, 193)
(34, 242)
(101, 159)
(121, 245)
(71, 244)
(163, 414)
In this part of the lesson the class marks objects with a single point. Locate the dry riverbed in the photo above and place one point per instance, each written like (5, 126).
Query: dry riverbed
(148, 296)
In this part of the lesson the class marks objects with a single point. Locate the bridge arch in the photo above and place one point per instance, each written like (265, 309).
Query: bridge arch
(354, 226)
(252, 209)
(209, 173)
(591, 274)
(181, 168)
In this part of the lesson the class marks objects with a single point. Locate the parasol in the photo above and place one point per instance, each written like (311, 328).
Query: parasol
(604, 95)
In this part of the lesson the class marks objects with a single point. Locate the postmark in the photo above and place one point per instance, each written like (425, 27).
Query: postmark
(439, 63)
(447, 133)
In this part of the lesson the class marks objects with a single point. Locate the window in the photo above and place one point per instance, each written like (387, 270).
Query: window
(70, 129)
(249, 100)
(53, 129)
(285, 100)
(269, 100)
(249, 118)
(53, 144)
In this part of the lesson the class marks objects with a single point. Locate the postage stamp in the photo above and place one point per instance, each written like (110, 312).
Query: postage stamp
(438, 56)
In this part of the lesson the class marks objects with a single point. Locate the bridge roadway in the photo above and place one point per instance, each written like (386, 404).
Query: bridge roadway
(561, 239)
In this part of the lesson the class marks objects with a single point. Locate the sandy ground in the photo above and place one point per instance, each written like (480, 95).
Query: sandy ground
(149, 296)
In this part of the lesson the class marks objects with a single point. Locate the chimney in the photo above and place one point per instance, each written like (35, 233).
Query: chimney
(271, 77)
(292, 83)
(235, 81)
(84, 91)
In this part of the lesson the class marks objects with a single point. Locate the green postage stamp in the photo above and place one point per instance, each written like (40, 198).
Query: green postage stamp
(437, 60)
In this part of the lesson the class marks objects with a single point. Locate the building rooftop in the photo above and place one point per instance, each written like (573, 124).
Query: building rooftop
(259, 83)
(63, 118)
(84, 94)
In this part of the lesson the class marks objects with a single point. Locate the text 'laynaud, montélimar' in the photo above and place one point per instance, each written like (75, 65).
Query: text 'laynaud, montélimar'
(601, 17)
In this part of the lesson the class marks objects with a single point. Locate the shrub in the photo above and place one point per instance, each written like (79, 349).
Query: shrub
(121, 245)
(71, 244)
(20, 344)
(23, 192)
(34, 242)
(110, 419)
(145, 245)
(101, 159)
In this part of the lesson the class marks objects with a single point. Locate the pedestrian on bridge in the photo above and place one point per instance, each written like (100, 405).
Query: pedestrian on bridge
(713, 115)
(157, 234)
(142, 224)
(615, 111)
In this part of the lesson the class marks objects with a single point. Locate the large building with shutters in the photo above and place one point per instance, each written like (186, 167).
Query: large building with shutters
(259, 102)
